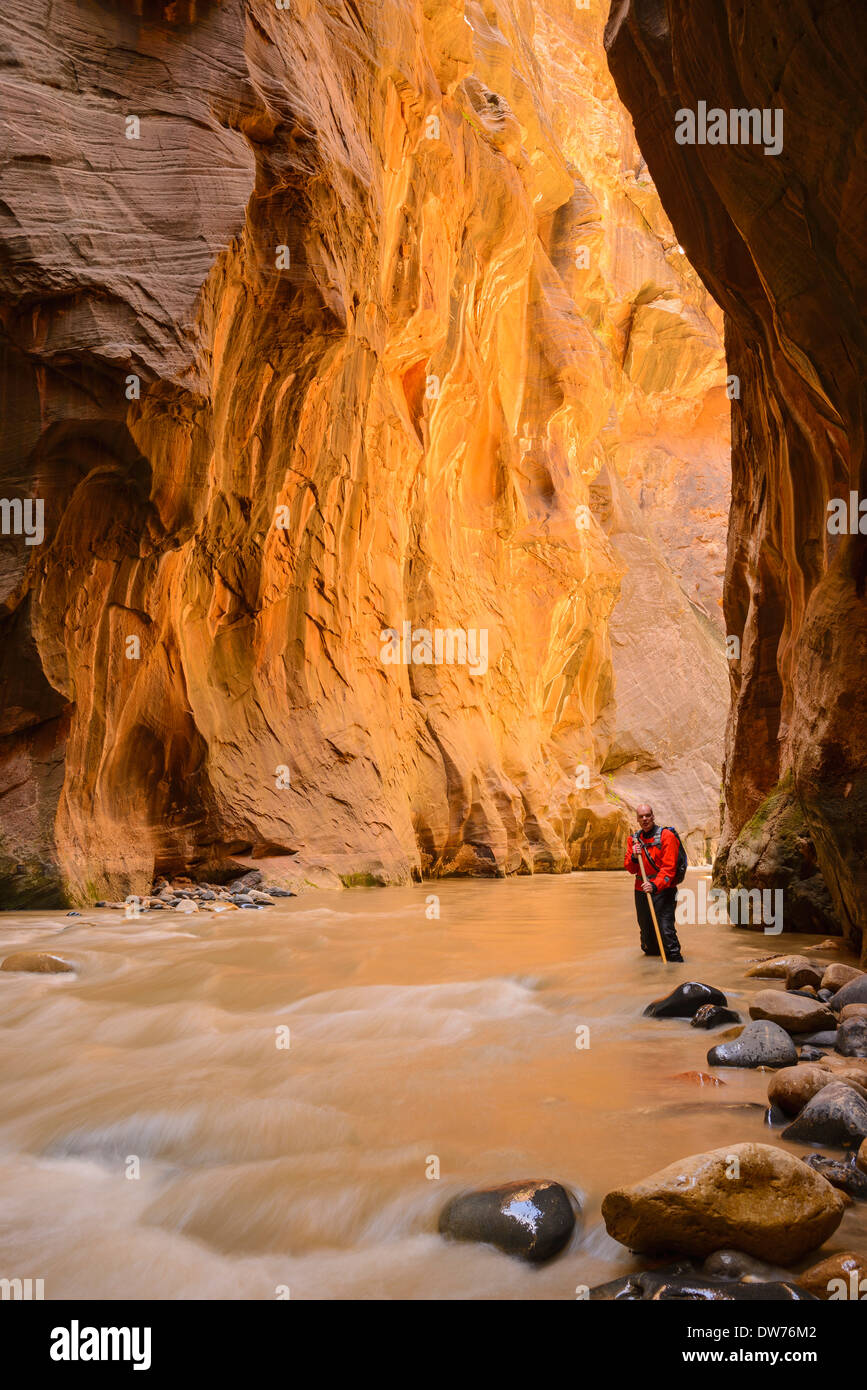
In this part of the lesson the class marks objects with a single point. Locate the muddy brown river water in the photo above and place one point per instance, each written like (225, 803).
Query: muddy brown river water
(306, 1168)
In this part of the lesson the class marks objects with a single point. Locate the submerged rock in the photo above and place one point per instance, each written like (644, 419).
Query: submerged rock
(846, 1176)
(734, 1264)
(533, 1219)
(38, 962)
(794, 1012)
(778, 967)
(684, 1001)
(836, 1115)
(749, 1197)
(761, 1044)
(713, 1016)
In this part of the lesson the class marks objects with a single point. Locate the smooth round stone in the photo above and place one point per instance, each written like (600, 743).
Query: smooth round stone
(684, 1001)
(791, 1088)
(761, 1044)
(825, 995)
(751, 1197)
(803, 976)
(855, 992)
(811, 1054)
(280, 893)
(847, 1011)
(533, 1219)
(835, 976)
(836, 1115)
(826, 1039)
(822, 1280)
(713, 1016)
(845, 1176)
(792, 1011)
(852, 1038)
(38, 963)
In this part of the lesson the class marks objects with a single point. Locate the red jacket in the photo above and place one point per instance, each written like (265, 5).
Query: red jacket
(664, 857)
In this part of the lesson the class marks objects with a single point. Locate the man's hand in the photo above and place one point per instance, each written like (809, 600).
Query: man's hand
(647, 887)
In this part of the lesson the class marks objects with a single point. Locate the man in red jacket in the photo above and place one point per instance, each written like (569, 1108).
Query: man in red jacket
(658, 850)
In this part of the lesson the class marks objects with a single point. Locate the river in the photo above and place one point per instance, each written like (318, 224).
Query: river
(414, 1044)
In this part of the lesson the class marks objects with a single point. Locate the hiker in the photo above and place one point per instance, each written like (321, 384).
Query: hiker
(664, 865)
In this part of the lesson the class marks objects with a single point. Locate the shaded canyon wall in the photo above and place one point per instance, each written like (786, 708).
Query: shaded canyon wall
(315, 322)
(779, 240)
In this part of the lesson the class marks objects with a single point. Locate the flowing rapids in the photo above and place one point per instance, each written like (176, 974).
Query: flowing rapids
(266, 1168)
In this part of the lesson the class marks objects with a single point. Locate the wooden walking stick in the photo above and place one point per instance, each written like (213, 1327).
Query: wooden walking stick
(645, 880)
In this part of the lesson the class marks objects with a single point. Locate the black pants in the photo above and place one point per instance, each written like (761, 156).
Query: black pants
(664, 903)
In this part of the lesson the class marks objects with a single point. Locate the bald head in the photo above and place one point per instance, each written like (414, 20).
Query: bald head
(645, 816)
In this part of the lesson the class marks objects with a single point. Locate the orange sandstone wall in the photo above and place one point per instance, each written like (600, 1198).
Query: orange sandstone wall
(318, 321)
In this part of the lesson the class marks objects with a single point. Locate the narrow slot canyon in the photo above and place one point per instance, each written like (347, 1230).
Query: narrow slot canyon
(433, 462)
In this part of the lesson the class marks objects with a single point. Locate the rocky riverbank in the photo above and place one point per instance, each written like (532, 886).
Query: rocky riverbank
(748, 1215)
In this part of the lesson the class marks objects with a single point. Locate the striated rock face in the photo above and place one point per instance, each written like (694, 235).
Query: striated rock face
(317, 322)
(778, 239)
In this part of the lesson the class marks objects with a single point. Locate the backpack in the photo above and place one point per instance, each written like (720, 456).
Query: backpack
(656, 841)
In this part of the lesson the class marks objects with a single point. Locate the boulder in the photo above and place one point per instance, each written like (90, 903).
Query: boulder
(825, 1039)
(844, 1176)
(761, 1044)
(823, 1280)
(804, 976)
(810, 1054)
(853, 1011)
(713, 1016)
(793, 1012)
(533, 1219)
(837, 975)
(38, 962)
(836, 1115)
(793, 1087)
(749, 1197)
(855, 992)
(684, 1001)
(852, 1038)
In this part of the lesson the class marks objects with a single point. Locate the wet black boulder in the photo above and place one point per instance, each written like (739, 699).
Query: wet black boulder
(682, 1282)
(714, 1016)
(685, 1001)
(761, 1044)
(836, 1115)
(533, 1219)
(840, 1174)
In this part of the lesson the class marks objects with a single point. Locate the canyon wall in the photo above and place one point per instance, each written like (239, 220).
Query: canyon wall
(778, 238)
(316, 322)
